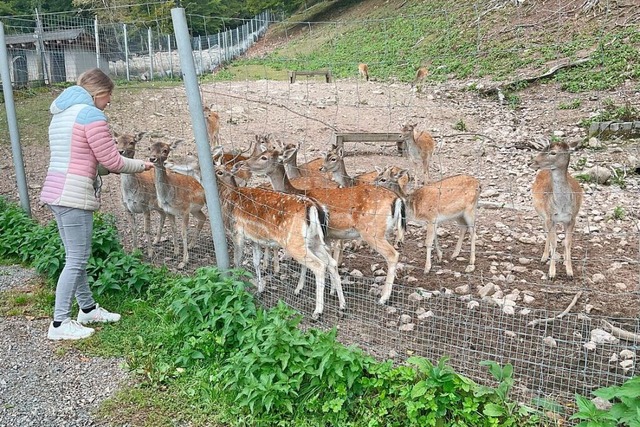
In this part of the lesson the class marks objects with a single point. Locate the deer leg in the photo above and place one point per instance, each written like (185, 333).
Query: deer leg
(548, 225)
(134, 231)
(301, 279)
(257, 257)
(568, 240)
(185, 241)
(200, 217)
(463, 231)
(386, 249)
(553, 243)
(147, 232)
(429, 242)
(472, 254)
(276, 261)
(163, 216)
(312, 262)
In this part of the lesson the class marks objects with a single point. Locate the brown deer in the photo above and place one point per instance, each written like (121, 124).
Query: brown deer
(310, 168)
(363, 69)
(139, 192)
(557, 198)
(452, 198)
(213, 125)
(365, 211)
(274, 219)
(421, 74)
(334, 164)
(419, 148)
(178, 195)
(191, 165)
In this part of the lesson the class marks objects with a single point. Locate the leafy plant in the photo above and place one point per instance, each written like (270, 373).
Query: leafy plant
(618, 212)
(460, 126)
(612, 112)
(618, 177)
(574, 104)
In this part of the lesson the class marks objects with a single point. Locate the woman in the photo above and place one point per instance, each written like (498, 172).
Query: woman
(80, 143)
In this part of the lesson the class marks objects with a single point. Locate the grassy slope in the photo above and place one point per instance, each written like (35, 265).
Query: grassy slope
(457, 40)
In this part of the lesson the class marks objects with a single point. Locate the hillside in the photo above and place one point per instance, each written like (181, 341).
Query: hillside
(495, 40)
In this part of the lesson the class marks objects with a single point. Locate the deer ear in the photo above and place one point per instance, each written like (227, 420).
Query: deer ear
(139, 136)
(176, 144)
(340, 152)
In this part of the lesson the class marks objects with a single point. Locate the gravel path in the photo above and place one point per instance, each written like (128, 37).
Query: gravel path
(47, 383)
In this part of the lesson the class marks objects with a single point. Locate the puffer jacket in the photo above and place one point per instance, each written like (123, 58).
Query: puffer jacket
(80, 139)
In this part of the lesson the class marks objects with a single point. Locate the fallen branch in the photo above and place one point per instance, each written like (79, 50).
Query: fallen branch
(620, 333)
(559, 316)
(550, 72)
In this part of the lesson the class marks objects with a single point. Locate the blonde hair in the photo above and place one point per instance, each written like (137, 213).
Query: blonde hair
(96, 82)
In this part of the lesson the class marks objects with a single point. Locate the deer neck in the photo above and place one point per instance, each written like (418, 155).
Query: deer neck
(341, 177)
(280, 181)
(162, 181)
(410, 145)
(292, 169)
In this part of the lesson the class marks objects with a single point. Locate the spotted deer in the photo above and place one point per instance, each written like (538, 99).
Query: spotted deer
(179, 196)
(419, 148)
(212, 119)
(557, 197)
(452, 198)
(363, 69)
(273, 219)
(139, 192)
(310, 168)
(365, 211)
(334, 164)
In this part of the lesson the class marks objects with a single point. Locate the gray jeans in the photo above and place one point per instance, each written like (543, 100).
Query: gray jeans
(76, 229)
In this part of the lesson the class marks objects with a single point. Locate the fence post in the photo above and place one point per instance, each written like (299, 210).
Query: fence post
(126, 51)
(95, 29)
(170, 58)
(150, 41)
(12, 121)
(202, 140)
(43, 71)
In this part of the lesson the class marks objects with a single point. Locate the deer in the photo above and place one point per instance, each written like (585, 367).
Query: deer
(557, 197)
(365, 211)
(334, 164)
(274, 219)
(212, 119)
(421, 74)
(452, 198)
(139, 192)
(419, 148)
(363, 69)
(310, 168)
(178, 195)
(191, 165)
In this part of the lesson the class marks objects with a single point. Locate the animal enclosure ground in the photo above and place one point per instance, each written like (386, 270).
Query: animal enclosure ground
(493, 148)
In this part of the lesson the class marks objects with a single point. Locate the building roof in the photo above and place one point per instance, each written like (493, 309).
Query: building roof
(70, 35)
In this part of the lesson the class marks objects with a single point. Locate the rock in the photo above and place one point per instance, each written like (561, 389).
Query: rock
(407, 327)
(550, 342)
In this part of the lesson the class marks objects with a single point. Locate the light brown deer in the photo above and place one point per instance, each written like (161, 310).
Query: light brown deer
(421, 74)
(139, 192)
(178, 195)
(334, 164)
(365, 211)
(557, 197)
(191, 165)
(363, 69)
(419, 148)
(274, 219)
(212, 119)
(310, 168)
(452, 198)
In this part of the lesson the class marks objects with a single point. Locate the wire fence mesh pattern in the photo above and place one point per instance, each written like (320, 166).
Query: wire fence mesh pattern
(557, 334)
(53, 48)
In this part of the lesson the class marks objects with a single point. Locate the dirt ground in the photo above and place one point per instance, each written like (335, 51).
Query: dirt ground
(494, 147)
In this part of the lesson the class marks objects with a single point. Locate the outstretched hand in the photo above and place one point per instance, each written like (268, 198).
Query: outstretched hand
(148, 165)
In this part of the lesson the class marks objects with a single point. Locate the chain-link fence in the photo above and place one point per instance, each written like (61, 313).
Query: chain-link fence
(52, 48)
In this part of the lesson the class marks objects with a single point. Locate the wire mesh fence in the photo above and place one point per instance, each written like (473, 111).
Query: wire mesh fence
(557, 334)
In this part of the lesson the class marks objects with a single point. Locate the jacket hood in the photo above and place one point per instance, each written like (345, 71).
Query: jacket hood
(71, 96)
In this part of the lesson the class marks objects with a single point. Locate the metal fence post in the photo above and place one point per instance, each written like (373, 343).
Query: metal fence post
(12, 121)
(97, 37)
(150, 53)
(202, 140)
(126, 51)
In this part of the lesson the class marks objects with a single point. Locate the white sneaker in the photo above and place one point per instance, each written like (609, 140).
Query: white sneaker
(69, 330)
(98, 314)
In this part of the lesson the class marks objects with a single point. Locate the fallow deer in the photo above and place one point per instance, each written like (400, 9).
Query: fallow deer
(334, 164)
(363, 69)
(274, 219)
(139, 192)
(212, 119)
(178, 195)
(557, 197)
(419, 148)
(421, 74)
(452, 198)
(365, 211)
(191, 165)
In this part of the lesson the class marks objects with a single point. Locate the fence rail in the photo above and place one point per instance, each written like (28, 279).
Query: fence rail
(49, 50)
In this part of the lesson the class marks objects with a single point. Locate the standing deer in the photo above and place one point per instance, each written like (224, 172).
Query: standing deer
(178, 195)
(274, 219)
(363, 69)
(139, 192)
(334, 164)
(557, 197)
(365, 211)
(421, 74)
(213, 125)
(452, 198)
(419, 148)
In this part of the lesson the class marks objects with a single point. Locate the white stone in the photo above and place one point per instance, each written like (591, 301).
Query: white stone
(627, 354)
(473, 304)
(462, 290)
(598, 278)
(550, 342)
(590, 345)
(528, 299)
(600, 336)
(405, 318)
(508, 309)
